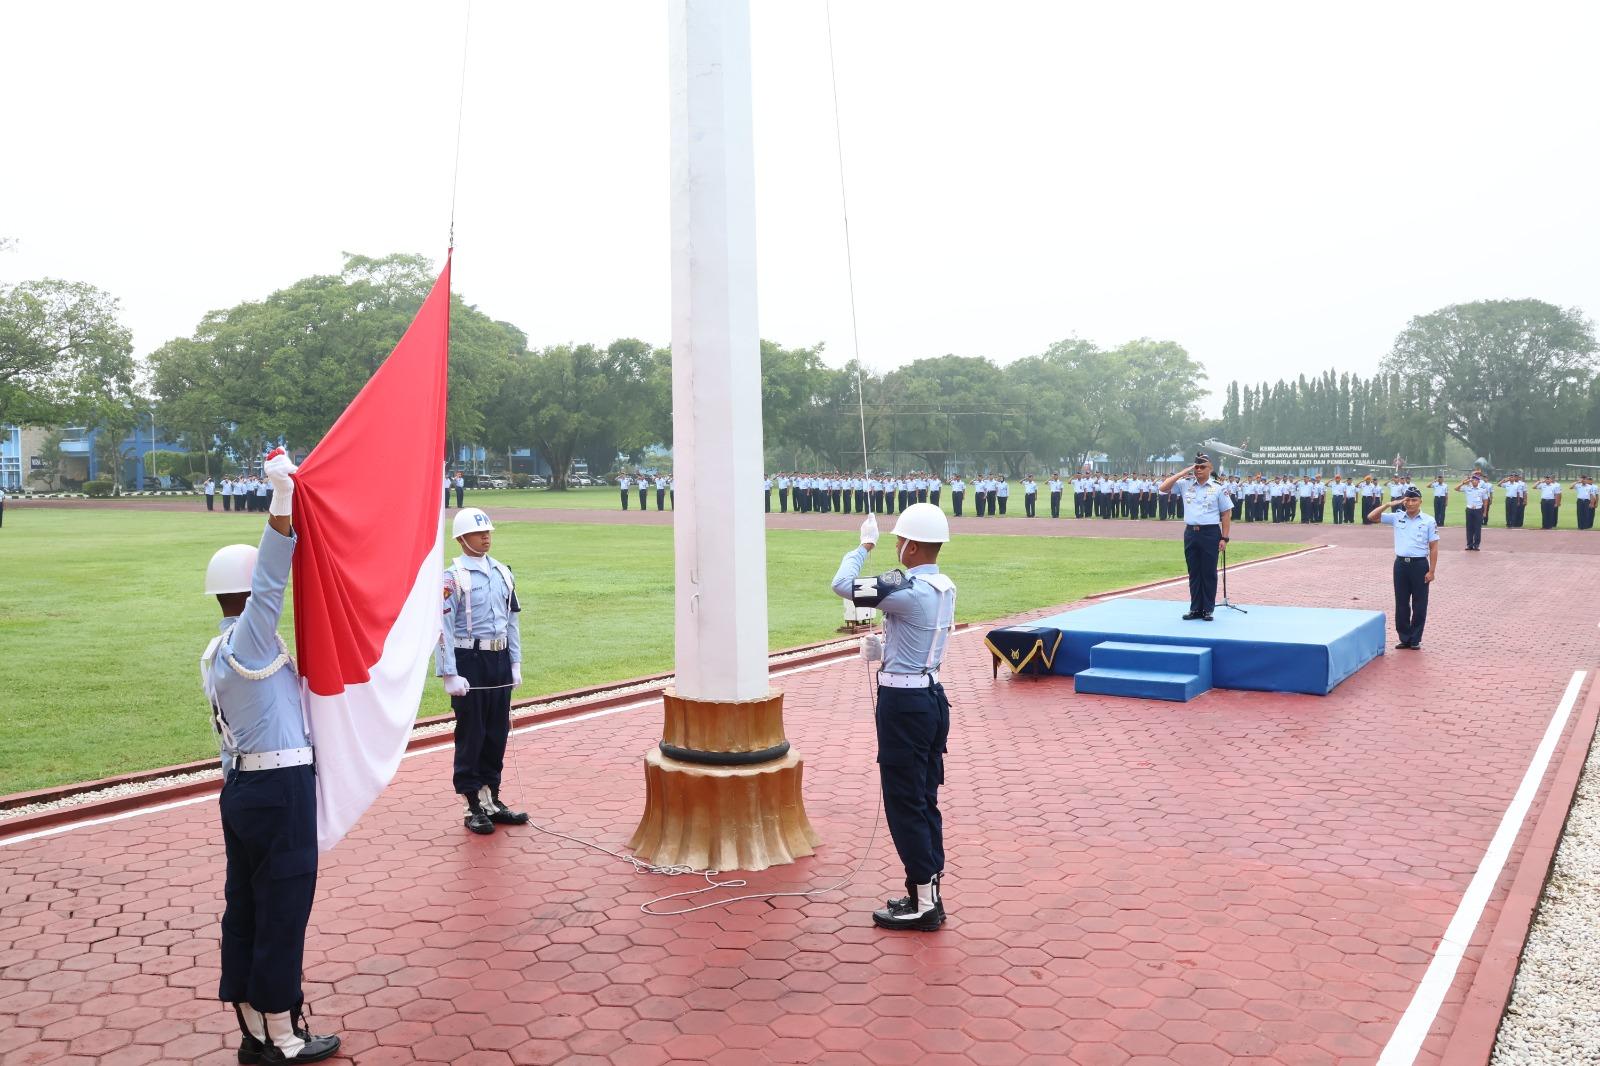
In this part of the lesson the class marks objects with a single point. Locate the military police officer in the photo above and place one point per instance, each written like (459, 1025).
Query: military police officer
(269, 794)
(1416, 557)
(480, 659)
(1207, 516)
(913, 713)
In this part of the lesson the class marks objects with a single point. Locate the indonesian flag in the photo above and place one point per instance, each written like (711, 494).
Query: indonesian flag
(367, 572)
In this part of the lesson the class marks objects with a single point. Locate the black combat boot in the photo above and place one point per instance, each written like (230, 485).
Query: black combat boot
(499, 813)
(921, 909)
(477, 819)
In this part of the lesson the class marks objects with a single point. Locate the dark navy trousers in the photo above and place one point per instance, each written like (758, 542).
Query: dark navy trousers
(913, 731)
(1410, 597)
(483, 719)
(1200, 546)
(1474, 526)
(269, 834)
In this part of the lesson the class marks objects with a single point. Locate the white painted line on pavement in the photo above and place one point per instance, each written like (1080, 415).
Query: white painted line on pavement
(1412, 1029)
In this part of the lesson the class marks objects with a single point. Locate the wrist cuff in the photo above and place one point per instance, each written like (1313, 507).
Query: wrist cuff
(282, 503)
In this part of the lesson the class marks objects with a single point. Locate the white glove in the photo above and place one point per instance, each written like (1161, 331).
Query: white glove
(516, 675)
(278, 467)
(456, 685)
(869, 532)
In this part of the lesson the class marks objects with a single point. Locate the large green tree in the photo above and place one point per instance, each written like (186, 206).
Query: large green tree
(288, 365)
(1500, 376)
(64, 355)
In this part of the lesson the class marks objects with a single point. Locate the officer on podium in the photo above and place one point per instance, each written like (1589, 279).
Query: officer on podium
(913, 713)
(1207, 515)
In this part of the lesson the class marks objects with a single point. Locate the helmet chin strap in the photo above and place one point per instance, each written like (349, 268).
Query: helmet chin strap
(469, 551)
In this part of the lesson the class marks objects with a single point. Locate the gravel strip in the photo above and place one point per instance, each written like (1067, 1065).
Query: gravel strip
(419, 733)
(1554, 1013)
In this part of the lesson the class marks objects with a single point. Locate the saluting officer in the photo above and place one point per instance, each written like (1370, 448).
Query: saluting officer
(269, 792)
(1441, 500)
(958, 493)
(1587, 493)
(1416, 557)
(480, 659)
(624, 483)
(1207, 516)
(913, 713)
(1477, 494)
(1055, 495)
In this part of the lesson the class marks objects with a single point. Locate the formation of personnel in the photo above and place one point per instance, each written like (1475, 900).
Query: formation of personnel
(242, 493)
(642, 483)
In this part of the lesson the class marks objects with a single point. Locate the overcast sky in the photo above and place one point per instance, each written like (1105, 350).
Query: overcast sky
(1278, 187)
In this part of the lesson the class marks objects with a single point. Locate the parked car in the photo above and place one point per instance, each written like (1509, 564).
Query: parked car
(176, 482)
(535, 481)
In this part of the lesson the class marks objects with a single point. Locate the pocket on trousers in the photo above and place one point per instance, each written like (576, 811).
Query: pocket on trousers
(296, 862)
(255, 790)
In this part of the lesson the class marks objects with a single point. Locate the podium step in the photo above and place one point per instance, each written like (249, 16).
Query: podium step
(1142, 684)
(1156, 658)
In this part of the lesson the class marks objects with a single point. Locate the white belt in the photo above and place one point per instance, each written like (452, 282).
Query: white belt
(888, 680)
(273, 760)
(482, 643)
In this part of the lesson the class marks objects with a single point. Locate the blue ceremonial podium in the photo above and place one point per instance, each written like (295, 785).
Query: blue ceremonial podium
(1271, 649)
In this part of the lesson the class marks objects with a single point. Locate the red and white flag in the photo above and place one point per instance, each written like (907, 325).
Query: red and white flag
(368, 508)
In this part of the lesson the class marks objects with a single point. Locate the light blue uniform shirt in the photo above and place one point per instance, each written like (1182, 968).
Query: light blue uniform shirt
(494, 612)
(913, 631)
(1411, 535)
(1203, 504)
(260, 715)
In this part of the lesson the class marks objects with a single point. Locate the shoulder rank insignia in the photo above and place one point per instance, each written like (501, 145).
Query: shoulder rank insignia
(871, 591)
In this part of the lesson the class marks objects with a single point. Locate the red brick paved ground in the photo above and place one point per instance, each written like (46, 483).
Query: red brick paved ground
(1249, 878)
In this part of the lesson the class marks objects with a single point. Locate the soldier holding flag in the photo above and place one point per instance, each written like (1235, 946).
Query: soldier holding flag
(269, 793)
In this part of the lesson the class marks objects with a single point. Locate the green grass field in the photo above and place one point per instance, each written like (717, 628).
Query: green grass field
(102, 622)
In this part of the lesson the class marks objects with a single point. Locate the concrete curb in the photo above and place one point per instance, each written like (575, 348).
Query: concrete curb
(1484, 1006)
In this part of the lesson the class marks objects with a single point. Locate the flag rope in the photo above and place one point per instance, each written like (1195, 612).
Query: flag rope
(461, 103)
(849, 259)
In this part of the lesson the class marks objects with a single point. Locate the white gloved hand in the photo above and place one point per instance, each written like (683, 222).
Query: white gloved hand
(277, 468)
(869, 532)
(456, 685)
(516, 675)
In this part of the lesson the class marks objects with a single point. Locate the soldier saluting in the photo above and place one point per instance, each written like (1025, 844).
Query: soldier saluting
(1207, 515)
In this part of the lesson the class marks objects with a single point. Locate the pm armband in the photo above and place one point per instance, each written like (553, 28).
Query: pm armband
(871, 591)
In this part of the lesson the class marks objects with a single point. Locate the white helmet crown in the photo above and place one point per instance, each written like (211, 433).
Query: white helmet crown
(924, 523)
(470, 520)
(230, 569)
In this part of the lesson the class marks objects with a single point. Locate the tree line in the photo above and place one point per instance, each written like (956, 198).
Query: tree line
(1498, 376)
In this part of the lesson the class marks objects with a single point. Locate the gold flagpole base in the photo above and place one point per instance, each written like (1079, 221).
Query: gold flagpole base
(722, 790)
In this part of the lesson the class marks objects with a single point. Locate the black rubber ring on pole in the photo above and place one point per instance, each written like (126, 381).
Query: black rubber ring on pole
(724, 758)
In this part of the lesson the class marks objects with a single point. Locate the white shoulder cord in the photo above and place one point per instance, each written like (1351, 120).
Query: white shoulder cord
(254, 675)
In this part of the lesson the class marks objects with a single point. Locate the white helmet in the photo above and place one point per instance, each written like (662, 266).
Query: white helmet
(230, 569)
(924, 523)
(470, 520)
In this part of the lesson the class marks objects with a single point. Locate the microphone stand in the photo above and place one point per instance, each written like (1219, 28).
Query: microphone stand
(1224, 601)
